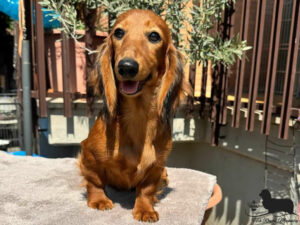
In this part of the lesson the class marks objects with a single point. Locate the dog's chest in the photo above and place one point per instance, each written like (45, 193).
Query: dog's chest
(129, 167)
(132, 152)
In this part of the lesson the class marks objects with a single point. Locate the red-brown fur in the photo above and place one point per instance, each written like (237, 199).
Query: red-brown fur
(128, 145)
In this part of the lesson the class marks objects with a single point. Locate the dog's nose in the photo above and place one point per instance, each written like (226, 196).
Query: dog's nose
(128, 68)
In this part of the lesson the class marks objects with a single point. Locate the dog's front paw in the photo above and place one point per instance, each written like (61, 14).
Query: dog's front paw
(145, 215)
(102, 204)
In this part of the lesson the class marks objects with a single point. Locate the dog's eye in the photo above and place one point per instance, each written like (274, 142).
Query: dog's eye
(154, 37)
(119, 33)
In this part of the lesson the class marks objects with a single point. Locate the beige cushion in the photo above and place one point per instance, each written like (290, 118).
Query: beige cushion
(42, 191)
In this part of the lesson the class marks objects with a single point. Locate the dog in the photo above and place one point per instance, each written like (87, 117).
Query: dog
(139, 76)
(276, 205)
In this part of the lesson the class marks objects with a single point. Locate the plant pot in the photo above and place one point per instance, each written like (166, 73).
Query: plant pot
(213, 201)
(215, 198)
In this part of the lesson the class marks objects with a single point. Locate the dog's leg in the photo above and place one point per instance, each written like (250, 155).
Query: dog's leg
(96, 197)
(164, 179)
(146, 195)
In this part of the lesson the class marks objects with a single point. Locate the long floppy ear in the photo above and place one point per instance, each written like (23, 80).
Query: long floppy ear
(168, 94)
(102, 79)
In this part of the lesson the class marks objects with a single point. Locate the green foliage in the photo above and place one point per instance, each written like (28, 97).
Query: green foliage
(68, 12)
(175, 18)
(207, 44)
(6, 24)
(204, 42)
(156, 6)
(67, 15)
(226, 51)
(114, 8)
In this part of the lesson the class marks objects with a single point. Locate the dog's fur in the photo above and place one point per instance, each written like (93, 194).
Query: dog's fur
(129, 143)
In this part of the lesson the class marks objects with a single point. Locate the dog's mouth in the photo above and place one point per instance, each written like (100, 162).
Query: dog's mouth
(131, 87)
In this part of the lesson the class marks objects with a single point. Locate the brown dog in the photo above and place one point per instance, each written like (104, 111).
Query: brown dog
(140, 78)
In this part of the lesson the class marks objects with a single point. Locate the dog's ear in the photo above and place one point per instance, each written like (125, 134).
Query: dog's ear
(170, 87)
(102, 79)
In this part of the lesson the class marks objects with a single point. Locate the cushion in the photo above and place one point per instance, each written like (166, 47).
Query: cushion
(36, 190)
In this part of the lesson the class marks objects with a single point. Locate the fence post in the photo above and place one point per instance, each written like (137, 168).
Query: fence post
(26, 83)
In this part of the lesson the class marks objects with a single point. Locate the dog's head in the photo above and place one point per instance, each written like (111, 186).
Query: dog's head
(265, 194)
(139, 53)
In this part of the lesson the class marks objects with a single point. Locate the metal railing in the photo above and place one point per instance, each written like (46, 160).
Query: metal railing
(264, 79)
(10, 126)
(281, 46)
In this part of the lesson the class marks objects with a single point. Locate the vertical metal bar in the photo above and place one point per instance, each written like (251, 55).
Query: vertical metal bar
(33, 49)
(89, 39)
(290, 71)
(72, 65)
(40, 59)
(228, 17)
(26, 83)
(256, 62)
(192, 76)
(216, 103)
(19, 84)
(28, 21)
(190, 99)
(203, 91)
(224, 94)
(240, 69)
(214, 100)
(219, 92)
(26, 78)
(66, 76)
(272, 66)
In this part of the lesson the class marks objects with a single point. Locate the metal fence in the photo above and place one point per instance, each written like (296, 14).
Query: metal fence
(271, 73)
(10, 126)
(265, 81)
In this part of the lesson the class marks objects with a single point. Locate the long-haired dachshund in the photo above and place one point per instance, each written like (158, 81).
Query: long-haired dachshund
(139, 76)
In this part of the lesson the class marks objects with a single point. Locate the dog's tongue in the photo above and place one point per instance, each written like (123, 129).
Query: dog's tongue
(129, 87)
